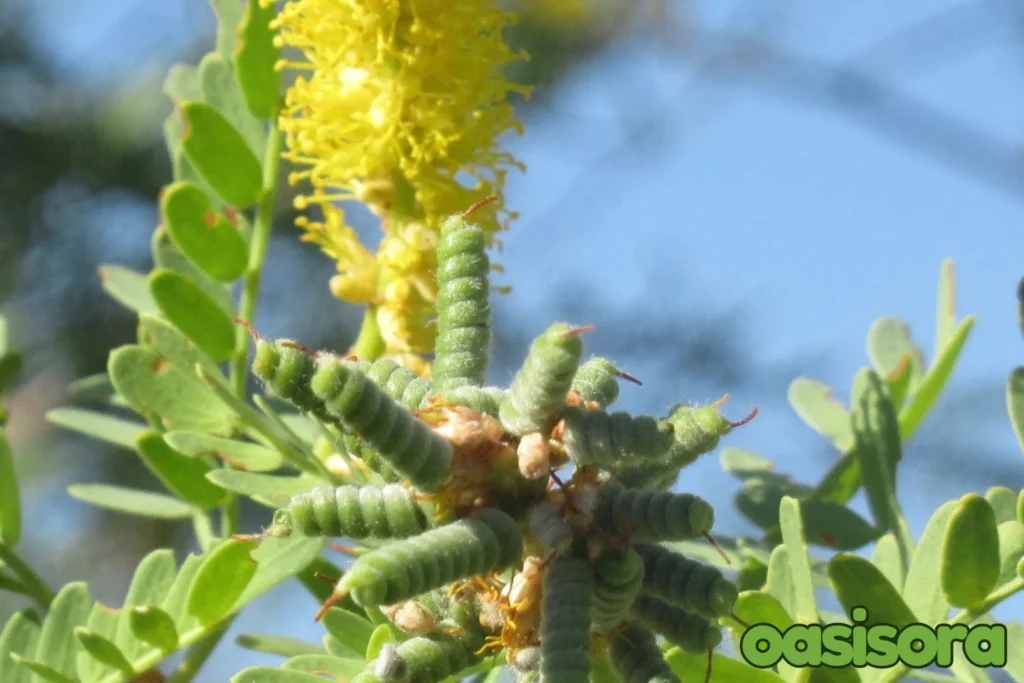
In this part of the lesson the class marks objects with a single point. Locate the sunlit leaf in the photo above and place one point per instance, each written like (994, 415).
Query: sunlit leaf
(131, 501)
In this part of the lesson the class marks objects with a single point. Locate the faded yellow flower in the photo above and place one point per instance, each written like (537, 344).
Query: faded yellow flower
(400, 106)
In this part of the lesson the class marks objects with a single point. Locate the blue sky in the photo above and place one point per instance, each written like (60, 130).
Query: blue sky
(812, 223)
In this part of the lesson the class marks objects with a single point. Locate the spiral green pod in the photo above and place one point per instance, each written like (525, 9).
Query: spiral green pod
(538, 390)
(618, 578)
(652, 515)
(463, 306)
(688, 584)
(286, 371)
(612, 440)
(635, 655)
(697, 431)
(485, 541)
(401, 384)
(693, 633)
(420, 455)
(425, 659)
(597, 381)
(355, 512)
(565, 621)
(484, 400)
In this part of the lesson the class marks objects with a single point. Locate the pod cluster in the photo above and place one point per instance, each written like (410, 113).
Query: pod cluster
(525, 520)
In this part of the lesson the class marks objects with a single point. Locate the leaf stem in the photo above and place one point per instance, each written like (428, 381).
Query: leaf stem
(198, 655)
(35, 586)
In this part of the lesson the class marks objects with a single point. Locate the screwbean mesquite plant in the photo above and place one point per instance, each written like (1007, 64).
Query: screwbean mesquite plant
(527, 530)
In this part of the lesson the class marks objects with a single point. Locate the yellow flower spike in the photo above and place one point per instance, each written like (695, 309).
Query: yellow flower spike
(400, 104)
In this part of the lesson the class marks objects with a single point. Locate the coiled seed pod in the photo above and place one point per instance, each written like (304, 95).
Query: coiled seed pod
(693, 633)
(538, 390)
(550, 528)
(635, 655)
(401, 384)
(286, 371)
(355, 512)
(691, 585)
(565, 620)
(611, 440)
(697, 431)
(426, 659)
(619, 576)
(526, 663)
(481, 399)
(463, 306)
(406, 443)
(485, 541)
(652, 516)
(597, 381)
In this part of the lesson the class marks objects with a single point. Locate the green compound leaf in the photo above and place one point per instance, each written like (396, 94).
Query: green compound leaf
(159, 390)
(886, 556)
(94, 389)
(103, 622)
(131, 501)
(343, 669)
(57, 645)
(221, 155)
(1015, 403)
(193, 312)
(182, 83)
(229, 16)
(154, 627)
(128, 288)
(970, 552)
(10, 501)
(206, 237)
(381, 636)
(859, 583)
(814, 402)
(278, 645)
(835, 526)
(169, 342)
(877, 445)
(724, 669)
(166, 254)
(1004, 503)
(151, 583)
(221, 91)
(18, 637)
(42, 671)
(182, 475)
(922, 591)
(266, 674)
(241, 454)
(791, 521)
(931, 385)
(221, 579)
(1015, 650)
(174, 602)
(113, 430)
(757, 607)
(351, 630)
(889, 343)
(742, 463)
(841, 482)
(255, 58)
(780, 579)
(10, 367)
(279, 559)
(275, 491)
(103, 651)
(759, 497)
(1011, 550)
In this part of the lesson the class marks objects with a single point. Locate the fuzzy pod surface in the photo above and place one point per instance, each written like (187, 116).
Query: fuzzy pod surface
(286, 371)
(485, 541)
(635, 655)
(597, 381)
(401, 384)
(425, 659)
(463, 306)
(618, 578)
(691, 632)
(697, 430)
(355, 512)
(539, 388)
(565, 620)
(685, 583)
(409, 446)
(609, 440)
(652, 515)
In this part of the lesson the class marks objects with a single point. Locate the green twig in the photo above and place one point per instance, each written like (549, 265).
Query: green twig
(369, 345)
(35, 586)
(198, 655)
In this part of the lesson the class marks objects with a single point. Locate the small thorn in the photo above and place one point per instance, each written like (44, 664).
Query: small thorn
(630, 378)
(256, 336)
(739, 621)
(346, 549)
(720, 402)
(305, 349)
(721, 552)
(245, 538)
(324, 577)
(577, 331)
(331, 602)
(748, 418)
(483, 202)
